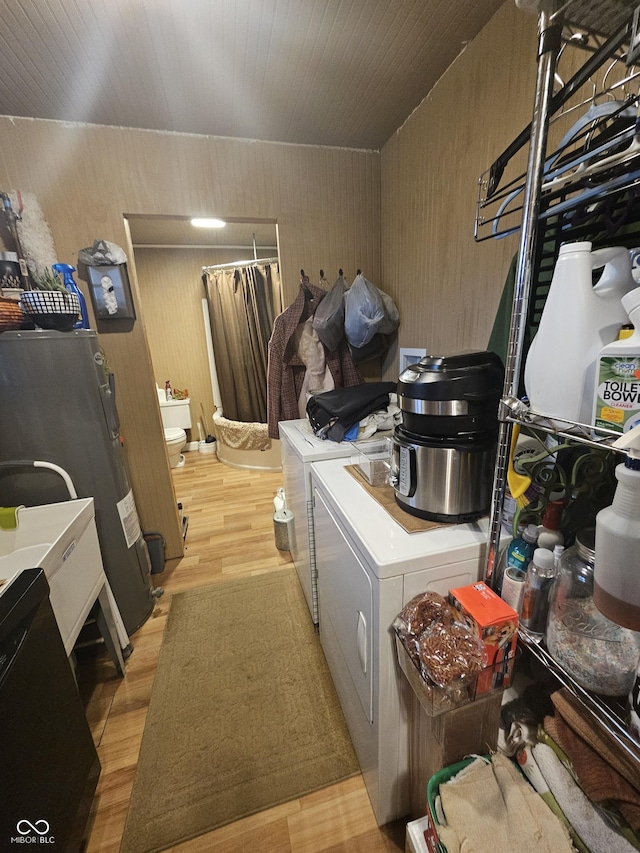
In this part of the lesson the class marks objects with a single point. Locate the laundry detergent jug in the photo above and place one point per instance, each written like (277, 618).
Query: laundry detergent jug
(578, 319)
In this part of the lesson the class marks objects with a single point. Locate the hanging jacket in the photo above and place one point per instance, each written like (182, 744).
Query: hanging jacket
(286, 370)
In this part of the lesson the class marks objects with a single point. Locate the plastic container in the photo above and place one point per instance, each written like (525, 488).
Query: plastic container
(537, 587)
(279, 502)
(616, 403)
(436, 700)
(577, 319)
(617, 542)
(374, 461)
(433, 790)
(518, 554)
(598, 654)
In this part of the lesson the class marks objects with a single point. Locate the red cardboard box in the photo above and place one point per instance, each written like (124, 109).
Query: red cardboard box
(496, 624)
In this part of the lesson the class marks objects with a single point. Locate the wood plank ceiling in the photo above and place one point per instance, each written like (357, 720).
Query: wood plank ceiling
(322, 72)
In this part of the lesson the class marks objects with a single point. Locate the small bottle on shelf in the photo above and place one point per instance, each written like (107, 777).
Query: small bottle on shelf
(517, 554)
(549, 533)
(167, 390)
(537, 586)
(557, 554)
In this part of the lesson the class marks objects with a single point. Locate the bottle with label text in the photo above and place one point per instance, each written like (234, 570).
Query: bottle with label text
(537, 586)
(517, 555)
(617, 394)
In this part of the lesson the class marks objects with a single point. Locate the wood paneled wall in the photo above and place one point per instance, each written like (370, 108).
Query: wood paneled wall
(446, 285)
(86, 178)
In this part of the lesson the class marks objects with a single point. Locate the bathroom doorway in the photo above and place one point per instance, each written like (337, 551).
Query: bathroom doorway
(169, 256)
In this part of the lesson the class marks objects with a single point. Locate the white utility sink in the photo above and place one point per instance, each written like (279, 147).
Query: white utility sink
(61, 539)
(22, 558)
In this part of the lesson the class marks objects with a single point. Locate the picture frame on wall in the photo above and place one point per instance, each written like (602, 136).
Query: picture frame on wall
(111, 292)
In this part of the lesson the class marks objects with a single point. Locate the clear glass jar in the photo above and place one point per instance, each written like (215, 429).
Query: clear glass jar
(600, 655)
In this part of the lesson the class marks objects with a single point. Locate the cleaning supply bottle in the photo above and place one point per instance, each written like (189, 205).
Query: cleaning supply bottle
(537, 586)
(577, 320)
(67, 277)
(557, 555)
(616, 588)
(549, 533)
(279, 501)
(167, 390)
(517, 555)
(616, 404)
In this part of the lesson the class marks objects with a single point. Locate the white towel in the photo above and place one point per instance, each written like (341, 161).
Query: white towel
(579, 810)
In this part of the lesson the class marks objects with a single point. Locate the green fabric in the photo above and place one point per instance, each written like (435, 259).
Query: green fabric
(9, 517)
(499, 340)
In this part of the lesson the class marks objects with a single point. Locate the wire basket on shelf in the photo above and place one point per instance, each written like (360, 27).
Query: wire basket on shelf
(51, 309)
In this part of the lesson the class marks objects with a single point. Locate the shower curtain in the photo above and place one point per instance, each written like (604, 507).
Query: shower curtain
(243, 304)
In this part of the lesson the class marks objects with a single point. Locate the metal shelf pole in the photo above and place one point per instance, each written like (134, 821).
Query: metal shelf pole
(549, 41)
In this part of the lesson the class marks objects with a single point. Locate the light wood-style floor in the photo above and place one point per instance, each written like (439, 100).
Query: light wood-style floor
(230, 534)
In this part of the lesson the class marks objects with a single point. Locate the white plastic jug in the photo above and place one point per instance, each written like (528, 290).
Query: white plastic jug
(578, 319)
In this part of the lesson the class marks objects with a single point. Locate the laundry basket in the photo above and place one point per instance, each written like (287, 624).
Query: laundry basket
(434, 845)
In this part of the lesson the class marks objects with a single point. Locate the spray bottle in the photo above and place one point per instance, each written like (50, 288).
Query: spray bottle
(616, 588)
(69, 282)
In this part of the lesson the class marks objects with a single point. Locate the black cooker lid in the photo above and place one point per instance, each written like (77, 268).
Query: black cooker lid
(474, 375)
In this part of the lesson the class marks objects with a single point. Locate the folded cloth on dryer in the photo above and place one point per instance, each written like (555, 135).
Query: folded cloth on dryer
(381, 420)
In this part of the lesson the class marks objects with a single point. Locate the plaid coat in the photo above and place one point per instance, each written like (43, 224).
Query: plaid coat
(286, 370)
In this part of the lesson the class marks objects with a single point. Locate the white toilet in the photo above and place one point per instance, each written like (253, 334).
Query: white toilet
(176, 418)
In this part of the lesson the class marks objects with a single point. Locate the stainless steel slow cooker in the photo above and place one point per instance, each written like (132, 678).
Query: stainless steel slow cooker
(444, 451)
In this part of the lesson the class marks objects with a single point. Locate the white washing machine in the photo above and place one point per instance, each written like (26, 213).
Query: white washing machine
(299, 448)
(368, 568)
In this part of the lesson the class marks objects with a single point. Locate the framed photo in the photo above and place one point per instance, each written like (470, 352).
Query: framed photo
(111, 292)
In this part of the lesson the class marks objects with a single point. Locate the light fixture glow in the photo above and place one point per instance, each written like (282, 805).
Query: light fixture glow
(208, 223)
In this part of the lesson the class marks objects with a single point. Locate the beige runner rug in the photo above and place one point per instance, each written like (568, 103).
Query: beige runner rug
(243, 714)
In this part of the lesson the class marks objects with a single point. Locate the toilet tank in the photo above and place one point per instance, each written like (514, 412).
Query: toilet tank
(175, 413)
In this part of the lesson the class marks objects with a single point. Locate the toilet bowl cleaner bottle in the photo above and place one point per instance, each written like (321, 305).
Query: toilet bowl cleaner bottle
(616, 404)
(616, 587)
(578, 319)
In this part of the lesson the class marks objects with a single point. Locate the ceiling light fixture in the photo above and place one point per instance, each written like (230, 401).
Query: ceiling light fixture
(208, 223)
